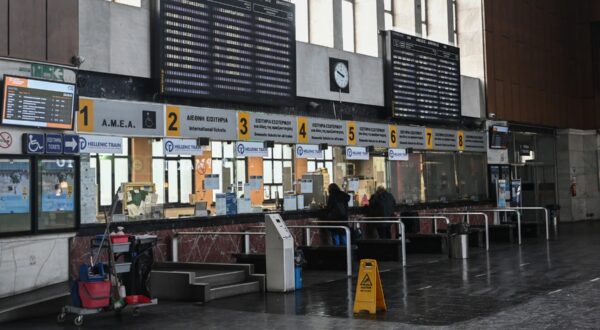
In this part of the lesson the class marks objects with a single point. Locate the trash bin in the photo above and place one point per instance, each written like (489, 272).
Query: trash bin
(459, 240)
(299, 261)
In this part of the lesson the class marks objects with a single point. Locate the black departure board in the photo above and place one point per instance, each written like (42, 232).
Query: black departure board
(233, 50)
(422, 78)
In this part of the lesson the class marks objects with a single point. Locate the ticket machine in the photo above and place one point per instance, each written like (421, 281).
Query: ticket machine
(280, 255)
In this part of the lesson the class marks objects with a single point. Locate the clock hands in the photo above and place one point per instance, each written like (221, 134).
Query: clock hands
(341, 74)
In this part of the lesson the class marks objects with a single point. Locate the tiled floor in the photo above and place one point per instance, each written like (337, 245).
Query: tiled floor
(540, 284)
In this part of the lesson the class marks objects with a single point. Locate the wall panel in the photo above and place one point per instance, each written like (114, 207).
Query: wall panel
(27, 29)
(63, 31)
(3, 27)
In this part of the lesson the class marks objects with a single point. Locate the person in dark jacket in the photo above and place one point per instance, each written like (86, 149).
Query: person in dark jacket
(337, 210)
(382, 204)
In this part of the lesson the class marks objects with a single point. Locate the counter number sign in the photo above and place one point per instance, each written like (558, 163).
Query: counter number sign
(173, 121)
(429, 138)
(85, 116)
(351, 133)
(460, 140)
(244, 126)
(393, 136)
(302, 130)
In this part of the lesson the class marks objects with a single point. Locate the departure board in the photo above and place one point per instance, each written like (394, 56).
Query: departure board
(234, 50)
(422, 78)
(37, 103)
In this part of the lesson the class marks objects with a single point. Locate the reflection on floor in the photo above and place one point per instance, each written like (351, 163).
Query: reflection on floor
(537, 285)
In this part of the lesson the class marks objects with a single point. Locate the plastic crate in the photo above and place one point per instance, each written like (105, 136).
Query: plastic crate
(94, 294)
(122, 267)
(117, 239)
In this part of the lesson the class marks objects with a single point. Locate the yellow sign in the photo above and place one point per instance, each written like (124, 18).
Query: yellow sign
(85, 115)
(244, 126)
(302, 130)
(393, 136)
(460, 139)
(369, 292)
(429, 138)
(173, 121)
(351, 133)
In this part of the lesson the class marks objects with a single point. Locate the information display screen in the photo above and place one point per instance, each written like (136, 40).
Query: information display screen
(37, 103)
(498, 137)
(422, 78)
(240, 50)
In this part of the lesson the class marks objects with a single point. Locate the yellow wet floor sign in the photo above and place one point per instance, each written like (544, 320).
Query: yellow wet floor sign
(369, 292)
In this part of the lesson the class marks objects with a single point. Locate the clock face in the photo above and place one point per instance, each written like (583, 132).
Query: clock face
(341, 76)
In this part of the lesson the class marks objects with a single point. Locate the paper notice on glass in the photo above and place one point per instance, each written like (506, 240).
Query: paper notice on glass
(353, 185)
(247, 189)
(256, 182)
(244, 205)
(306, 186)
(221, 204)
(289, 203)
(211, 181)
(300, 200)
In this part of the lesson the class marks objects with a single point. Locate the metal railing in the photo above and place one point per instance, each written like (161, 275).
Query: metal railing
(434, 219)
(485, 218)
(398, 222)
(509, 210)
(546, 213)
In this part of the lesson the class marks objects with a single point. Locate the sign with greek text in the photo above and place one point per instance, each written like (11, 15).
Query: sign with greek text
(123, 118)
(332, 132)
(411, 137)
(370, 134)
(269, 127)
(474, 141)
(194, 122)
(444, 139)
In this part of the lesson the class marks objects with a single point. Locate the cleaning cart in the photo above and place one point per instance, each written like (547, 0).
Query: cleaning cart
(115, 280)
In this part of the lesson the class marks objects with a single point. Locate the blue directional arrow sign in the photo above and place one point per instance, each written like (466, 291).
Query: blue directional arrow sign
(71, 143)
(54, 144)
(33, 143)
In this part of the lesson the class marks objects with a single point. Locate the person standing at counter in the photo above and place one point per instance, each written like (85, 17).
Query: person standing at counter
(382, 204)
(336, 210)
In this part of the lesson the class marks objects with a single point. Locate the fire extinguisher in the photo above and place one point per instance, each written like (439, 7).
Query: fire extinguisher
(573, 189)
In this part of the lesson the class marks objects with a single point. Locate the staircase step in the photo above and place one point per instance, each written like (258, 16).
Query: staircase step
(223, 278)
(234, 290)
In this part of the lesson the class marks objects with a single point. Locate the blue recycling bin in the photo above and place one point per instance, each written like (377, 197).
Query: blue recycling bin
(298, 276)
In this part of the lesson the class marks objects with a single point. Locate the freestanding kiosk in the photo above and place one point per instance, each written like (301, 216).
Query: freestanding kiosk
(280, 255)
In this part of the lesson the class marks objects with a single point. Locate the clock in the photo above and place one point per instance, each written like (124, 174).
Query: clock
(339, 75)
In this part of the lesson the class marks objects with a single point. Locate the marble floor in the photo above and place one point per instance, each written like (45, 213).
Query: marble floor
(554, 285)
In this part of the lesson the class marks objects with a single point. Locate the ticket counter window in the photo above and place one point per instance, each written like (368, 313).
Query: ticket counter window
(406, 181)
(111, 170)
(56, 193)
(15, 195)
(325, 162)
(472, 182)
(173, 176)
(278, 172)
(440, 177)
(231, 169)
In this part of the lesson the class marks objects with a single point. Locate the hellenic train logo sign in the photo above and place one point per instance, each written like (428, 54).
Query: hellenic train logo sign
(299, 151)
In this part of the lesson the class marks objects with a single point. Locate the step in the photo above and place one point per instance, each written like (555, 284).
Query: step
(222, 278)
(43, 301)
(234, 290)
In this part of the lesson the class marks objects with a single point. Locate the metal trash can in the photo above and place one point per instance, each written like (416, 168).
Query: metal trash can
(459, 240)
(459, 246)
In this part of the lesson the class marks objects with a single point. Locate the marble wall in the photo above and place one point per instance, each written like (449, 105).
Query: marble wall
(31, 262)
(577, 162)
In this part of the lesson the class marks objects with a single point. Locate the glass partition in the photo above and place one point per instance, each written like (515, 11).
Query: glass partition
(15, 195)
(472, 176)
(406, 180)
(56, 179)
(440, 177)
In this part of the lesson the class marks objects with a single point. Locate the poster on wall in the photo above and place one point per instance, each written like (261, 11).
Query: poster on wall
(58, 182)
(14, 186)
